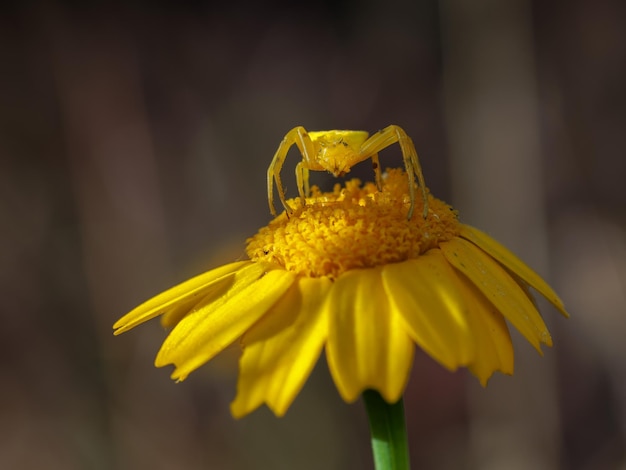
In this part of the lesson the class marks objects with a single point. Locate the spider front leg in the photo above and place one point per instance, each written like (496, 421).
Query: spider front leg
(388, 136)
(377, 172)
(302, 181)
(299, 137)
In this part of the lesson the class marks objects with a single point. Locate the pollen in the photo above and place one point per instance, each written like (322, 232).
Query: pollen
(354, 226)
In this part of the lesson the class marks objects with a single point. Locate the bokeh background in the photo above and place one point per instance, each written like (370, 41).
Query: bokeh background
(134, 141)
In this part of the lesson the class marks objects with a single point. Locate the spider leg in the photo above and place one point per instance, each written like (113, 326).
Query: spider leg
(388, 136)
(302, 181)
(377, 172)
(299, 137)
(305, 179)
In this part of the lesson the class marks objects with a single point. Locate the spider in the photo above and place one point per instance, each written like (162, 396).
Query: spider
(337, 151)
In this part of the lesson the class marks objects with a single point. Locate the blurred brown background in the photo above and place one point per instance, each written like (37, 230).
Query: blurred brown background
(134, 141)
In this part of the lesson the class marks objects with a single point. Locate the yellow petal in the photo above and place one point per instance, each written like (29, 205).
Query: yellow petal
(194, 288)
(368, 346)
(176, 313)
(494, 349)
(512, 263)
(207, 331)
(281, 349)
(426, 293)
(499, 288)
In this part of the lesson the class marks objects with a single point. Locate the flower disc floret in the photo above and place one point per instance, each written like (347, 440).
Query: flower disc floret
(356, 226)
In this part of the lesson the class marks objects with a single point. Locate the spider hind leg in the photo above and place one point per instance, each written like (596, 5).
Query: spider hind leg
(394, 134)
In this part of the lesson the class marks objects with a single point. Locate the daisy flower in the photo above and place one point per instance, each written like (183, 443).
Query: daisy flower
(346, 273)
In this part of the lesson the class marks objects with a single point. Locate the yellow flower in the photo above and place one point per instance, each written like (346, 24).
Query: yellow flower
(348, 273)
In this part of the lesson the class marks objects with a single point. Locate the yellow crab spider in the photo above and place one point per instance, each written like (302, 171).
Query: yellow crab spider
(337, 151)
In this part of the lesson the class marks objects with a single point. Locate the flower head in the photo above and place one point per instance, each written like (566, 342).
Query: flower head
(348, 273)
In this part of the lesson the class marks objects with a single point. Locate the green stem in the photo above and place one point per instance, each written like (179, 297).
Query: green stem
(388, 430)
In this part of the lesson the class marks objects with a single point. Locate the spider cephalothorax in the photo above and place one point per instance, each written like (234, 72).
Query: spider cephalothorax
(337, 151)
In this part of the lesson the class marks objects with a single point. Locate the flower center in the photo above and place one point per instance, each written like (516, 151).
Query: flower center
(355, 226)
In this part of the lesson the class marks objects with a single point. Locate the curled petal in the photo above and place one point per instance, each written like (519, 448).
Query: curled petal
(426, 293)
(499, 288)
(187, 292)
(368, 346)
(205, 332)
(504, 256)
(281, 349)
(494, 349)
